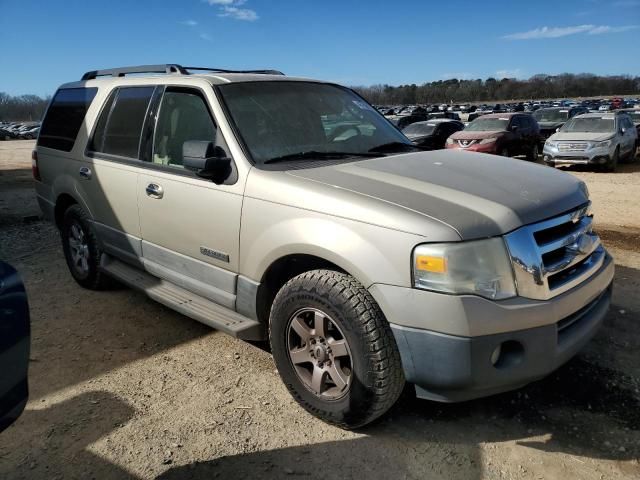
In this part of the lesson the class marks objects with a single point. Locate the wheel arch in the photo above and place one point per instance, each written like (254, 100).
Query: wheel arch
(63, 202)
(283, 269)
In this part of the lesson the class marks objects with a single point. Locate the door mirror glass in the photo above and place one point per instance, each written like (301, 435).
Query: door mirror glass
(207, 160)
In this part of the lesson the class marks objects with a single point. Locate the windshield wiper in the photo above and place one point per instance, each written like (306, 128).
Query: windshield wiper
(394, 147)
(317, 155)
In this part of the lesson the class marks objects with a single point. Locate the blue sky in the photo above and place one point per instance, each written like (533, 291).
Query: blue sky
(48, 42)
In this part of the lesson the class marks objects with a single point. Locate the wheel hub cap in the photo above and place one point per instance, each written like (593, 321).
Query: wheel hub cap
(79, 249)
(320, 354)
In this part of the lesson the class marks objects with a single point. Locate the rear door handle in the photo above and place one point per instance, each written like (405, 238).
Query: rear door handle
(154, 190)
(85, 172)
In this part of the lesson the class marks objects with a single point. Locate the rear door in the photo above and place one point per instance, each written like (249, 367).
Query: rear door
(112, 168)
(190, 226)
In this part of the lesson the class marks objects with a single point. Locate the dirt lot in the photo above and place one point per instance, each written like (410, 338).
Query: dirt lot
(122, 387)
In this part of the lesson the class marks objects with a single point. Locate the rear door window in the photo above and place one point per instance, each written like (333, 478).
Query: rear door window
(64, 117)
(120, 123)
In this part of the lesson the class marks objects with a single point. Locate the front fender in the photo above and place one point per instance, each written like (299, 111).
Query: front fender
(372, 254)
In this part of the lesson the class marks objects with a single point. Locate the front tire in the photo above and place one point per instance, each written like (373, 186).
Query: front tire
(334, 349)
(613, 163)
(532, 156)
(81, 250)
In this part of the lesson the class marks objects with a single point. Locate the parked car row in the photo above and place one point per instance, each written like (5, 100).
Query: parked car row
(463, 110)
(566, 135)
(19, 130)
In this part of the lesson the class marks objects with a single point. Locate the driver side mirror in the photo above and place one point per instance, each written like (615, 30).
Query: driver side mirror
(623, 130)
(206, 160)
(514, 128)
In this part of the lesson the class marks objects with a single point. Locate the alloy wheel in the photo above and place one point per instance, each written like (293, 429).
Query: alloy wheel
(320, 353)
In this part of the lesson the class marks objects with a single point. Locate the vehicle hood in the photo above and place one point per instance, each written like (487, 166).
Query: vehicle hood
(550, 125)
(465, 135)
(417, 136)
(581, 136)
(478, 195)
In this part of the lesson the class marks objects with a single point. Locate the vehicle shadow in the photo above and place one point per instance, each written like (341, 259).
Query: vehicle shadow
(621, 168)
(79, 334)
(61, 435)
(588, 408)
(572, 412)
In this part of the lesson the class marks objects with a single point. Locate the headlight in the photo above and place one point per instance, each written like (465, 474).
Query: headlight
(551, 144)
(605, 144)
(479, 267)
(484, 141)
(449, 141)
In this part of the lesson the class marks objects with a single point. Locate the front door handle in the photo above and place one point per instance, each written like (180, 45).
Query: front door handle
(154, 190)
(85, 172)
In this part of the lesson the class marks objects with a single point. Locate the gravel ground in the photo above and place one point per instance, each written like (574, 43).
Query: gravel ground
(122, 387)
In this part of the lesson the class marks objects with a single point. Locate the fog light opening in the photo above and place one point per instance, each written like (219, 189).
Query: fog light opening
(508, 354)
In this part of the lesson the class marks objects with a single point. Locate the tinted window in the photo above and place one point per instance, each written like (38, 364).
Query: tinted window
(183, 116)
(519, 122)
(119, 133)
(98, 136)
(64, 117)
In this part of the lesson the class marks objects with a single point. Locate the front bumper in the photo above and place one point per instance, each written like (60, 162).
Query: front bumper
(593, 156)
(537, 337)
(476, 147)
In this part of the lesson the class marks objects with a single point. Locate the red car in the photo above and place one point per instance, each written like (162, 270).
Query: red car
(505, 134)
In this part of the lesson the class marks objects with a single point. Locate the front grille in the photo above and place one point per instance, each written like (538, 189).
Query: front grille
(555, 255)
(572, 146)
(466, 143)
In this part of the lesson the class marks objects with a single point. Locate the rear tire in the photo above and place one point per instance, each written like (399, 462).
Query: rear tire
(325, 325)
(82, 251)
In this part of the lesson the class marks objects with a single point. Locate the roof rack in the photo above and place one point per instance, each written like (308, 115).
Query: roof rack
(169, 68)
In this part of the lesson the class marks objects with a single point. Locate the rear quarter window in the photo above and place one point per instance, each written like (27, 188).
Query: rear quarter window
(64, 117)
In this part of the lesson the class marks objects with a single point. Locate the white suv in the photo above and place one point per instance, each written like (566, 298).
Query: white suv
(593, 138)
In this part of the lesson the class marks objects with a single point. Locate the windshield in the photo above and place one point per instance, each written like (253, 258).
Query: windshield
(487, 124)
(588, 124)
(419, 129)
(282, 118)
(551, 115)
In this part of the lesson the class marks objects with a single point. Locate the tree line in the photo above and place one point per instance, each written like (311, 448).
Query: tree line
(566, 85)
(22, 108)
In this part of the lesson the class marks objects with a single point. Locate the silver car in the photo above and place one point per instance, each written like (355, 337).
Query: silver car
(600, 139)
(288, 209)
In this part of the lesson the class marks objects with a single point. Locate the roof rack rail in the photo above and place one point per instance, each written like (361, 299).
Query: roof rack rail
(169, 68)
(224, 70)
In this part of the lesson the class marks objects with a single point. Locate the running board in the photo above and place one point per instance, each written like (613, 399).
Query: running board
(183, 301)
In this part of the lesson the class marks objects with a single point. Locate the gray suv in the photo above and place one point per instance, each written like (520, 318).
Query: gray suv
(598, 139)
(275, 207)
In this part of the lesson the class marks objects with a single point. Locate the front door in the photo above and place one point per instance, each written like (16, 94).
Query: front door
(190, 226)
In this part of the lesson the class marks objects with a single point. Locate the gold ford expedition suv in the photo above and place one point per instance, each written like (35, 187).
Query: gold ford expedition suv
(274, 207)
